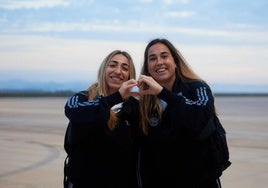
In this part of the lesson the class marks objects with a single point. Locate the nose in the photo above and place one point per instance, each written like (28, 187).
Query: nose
(118, 70)
(159, 61)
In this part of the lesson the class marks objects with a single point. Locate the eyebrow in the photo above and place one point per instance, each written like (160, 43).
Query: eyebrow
(161, 53)
(124, 64)
(113, 61)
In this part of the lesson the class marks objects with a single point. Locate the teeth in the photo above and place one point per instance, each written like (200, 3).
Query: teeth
(160, 70)
(116, 78)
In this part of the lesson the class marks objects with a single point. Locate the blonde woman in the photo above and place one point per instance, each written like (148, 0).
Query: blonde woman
(99, 140)
(175, 105)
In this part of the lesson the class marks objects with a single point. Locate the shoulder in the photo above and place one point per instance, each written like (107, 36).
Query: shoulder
(195, 89)
(198, 84)
(195, 86)
(84, 93)
(81, 95)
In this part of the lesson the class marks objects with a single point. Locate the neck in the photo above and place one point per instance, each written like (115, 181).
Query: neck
(168, 84)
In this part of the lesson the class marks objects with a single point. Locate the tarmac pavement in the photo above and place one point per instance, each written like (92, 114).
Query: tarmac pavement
(32, 133)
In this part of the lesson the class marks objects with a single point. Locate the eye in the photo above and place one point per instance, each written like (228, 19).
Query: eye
(152, 58)
(112, 64)
(165, 55)
(125, 67)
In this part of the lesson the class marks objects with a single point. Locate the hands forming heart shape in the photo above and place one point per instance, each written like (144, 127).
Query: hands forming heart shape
(145, 85)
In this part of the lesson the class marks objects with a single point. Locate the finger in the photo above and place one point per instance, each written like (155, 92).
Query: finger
(132, 81)
(146, 79)
(132, 86)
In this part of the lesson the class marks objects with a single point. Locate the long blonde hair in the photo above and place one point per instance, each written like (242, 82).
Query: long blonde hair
(150, 104)
(101, 88)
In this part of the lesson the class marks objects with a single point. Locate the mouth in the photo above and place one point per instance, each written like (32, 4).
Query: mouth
(116, 78)
(160, 70)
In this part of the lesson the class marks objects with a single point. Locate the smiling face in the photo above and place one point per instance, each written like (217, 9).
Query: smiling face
(117, 72)
(161, 65)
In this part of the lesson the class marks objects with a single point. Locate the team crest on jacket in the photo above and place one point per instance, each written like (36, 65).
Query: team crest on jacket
(154, 121)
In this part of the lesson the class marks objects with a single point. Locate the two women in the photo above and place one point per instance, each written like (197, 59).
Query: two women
(147, 143)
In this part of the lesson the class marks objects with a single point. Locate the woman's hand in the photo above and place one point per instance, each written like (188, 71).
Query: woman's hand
(153, 88)
(125, 89)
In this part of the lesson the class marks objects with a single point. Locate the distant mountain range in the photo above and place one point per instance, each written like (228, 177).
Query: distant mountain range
(51, 86)
(22, 85)
(239, 88)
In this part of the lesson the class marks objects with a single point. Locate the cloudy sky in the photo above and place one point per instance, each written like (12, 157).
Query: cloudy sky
(225, 41)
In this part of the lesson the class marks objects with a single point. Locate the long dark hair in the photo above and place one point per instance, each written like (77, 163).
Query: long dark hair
(150, 104)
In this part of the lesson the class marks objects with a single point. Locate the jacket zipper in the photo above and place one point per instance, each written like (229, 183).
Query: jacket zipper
(138, 169)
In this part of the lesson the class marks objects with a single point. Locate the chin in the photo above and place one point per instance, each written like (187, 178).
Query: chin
(114, 86)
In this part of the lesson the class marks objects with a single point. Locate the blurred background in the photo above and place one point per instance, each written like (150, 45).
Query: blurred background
(59, 44)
